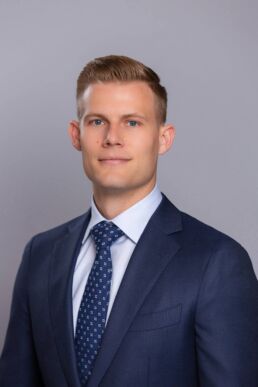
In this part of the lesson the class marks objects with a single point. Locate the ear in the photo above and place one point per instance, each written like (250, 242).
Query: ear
(74, 134)
(166, 138)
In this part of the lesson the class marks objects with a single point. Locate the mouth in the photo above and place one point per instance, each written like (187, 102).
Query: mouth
(113, 161)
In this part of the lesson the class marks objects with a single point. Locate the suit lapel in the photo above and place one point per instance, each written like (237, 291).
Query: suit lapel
(60, 296)
(154, 251)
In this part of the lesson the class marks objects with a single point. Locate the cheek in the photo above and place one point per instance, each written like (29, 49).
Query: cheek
(97, 142)
(90, 145)
(148, 148)
(89, 137)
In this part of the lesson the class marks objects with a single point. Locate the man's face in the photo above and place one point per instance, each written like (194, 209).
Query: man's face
(120, 137)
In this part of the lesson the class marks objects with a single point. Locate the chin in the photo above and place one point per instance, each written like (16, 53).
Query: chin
(113, 187)
(110, 181)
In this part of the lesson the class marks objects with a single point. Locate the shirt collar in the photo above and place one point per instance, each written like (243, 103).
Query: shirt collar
(131, 221)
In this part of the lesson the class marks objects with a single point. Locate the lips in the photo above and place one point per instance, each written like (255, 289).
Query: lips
(113, 160)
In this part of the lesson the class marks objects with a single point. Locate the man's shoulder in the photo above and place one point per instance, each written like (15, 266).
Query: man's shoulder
(60, 230)
(204, 233)
(195, 232)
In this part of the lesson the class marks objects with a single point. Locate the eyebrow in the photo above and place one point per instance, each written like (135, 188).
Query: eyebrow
(134, 115)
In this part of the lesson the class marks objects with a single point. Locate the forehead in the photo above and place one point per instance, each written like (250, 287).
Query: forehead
(116, 96)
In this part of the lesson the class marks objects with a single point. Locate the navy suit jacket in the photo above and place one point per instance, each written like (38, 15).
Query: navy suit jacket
(186, 313)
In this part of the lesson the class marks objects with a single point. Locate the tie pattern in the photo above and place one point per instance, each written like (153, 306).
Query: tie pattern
(94, 305)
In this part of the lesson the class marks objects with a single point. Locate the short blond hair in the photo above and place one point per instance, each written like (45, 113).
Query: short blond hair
(121, 68)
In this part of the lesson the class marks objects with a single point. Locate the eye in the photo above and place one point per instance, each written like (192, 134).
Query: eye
(96, 122)
(133, 123)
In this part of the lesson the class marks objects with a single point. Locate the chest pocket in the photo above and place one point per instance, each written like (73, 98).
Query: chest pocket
(157, 320)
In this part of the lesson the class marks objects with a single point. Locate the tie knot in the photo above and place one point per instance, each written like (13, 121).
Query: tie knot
(105, 233)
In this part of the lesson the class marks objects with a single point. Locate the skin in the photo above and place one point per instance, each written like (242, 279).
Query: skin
(120, 139)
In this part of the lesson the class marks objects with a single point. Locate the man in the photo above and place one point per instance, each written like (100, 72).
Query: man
(134, 292)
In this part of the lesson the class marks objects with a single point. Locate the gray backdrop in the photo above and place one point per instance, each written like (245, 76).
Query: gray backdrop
(206, 54)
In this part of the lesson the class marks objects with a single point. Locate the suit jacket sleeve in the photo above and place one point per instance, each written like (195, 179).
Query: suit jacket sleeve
(227, 320)
(18, 365)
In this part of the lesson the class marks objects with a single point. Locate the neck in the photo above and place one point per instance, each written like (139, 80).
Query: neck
(111, 203)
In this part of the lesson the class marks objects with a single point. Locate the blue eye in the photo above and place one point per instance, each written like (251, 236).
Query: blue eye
(97, 122)
(132, 123)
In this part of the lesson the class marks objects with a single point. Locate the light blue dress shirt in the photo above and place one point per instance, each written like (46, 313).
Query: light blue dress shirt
(132, 222)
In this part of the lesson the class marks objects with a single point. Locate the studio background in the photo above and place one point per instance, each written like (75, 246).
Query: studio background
(206, 55)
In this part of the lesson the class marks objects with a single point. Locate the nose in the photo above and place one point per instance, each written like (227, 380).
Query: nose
(113, 135)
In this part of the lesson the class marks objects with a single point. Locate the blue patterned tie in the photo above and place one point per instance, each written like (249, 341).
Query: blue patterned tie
(94, 305)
